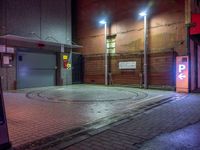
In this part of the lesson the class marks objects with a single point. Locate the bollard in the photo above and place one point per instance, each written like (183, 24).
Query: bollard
(4, 138)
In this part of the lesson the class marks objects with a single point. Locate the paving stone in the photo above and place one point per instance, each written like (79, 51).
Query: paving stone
(166, 118)
(32, 118)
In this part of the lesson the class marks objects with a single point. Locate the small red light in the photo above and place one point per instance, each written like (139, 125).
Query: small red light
(41, 45)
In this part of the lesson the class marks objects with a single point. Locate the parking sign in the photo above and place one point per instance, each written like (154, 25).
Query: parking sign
(182, 74)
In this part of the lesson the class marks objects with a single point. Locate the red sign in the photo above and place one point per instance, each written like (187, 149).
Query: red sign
(182, 74)
(196, 21)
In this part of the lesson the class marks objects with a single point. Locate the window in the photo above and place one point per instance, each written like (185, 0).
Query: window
(111, 41)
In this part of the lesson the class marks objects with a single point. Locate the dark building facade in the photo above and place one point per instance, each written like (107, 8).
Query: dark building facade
(166, 38)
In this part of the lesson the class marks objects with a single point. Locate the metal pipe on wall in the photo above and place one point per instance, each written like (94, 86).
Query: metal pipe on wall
(145, 53)
(106, 55)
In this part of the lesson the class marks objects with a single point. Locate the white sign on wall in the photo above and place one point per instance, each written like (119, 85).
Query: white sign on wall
(6, 60)
(10, 50)
(127, 65)
(4, 49)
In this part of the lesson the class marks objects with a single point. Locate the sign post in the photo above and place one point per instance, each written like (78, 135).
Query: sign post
(182, 63)
(4, 138)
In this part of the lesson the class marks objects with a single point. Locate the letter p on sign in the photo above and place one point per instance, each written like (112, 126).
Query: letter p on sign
(181, 68)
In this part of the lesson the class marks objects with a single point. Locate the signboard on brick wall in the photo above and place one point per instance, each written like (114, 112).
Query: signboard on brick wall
(127, 65)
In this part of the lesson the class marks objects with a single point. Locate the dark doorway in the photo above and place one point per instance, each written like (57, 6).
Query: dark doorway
(77, 68)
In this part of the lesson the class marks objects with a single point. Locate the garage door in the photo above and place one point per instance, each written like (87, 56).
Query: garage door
(35, 69)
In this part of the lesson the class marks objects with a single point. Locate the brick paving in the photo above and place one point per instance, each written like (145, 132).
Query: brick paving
(31, 119)
(184, 139)
(134, 133)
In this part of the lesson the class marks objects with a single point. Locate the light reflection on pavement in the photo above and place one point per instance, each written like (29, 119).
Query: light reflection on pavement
(36, 113)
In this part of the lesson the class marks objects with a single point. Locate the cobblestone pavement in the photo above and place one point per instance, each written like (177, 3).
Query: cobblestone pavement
(34, 114)
(138, 130)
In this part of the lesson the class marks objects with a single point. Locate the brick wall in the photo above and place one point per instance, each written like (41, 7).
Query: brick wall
(160, 72)
(162, 69)
(166, 23)
(166, 30)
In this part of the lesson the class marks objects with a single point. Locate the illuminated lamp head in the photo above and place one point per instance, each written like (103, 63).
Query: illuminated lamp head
(102, 22)
(144, 13)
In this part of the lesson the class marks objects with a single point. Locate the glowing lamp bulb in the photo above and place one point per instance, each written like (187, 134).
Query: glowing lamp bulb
(102, 22)
(143, 14)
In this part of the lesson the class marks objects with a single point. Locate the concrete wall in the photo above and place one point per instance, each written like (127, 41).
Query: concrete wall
(8, 75)
(45, 19)
(166, 33)
(65, 74)
(48, 20)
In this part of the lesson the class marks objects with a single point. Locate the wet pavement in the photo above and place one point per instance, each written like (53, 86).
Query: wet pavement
(187, 138)
(34, 114)
(171, 126)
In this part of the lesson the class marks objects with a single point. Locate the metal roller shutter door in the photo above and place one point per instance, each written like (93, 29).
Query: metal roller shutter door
(35, 69)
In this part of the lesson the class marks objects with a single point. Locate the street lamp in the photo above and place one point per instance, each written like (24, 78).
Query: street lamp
(144, 14)
(106, 52)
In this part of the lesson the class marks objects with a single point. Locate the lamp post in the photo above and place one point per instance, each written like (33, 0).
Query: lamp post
(106, 52)
(144, 14)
